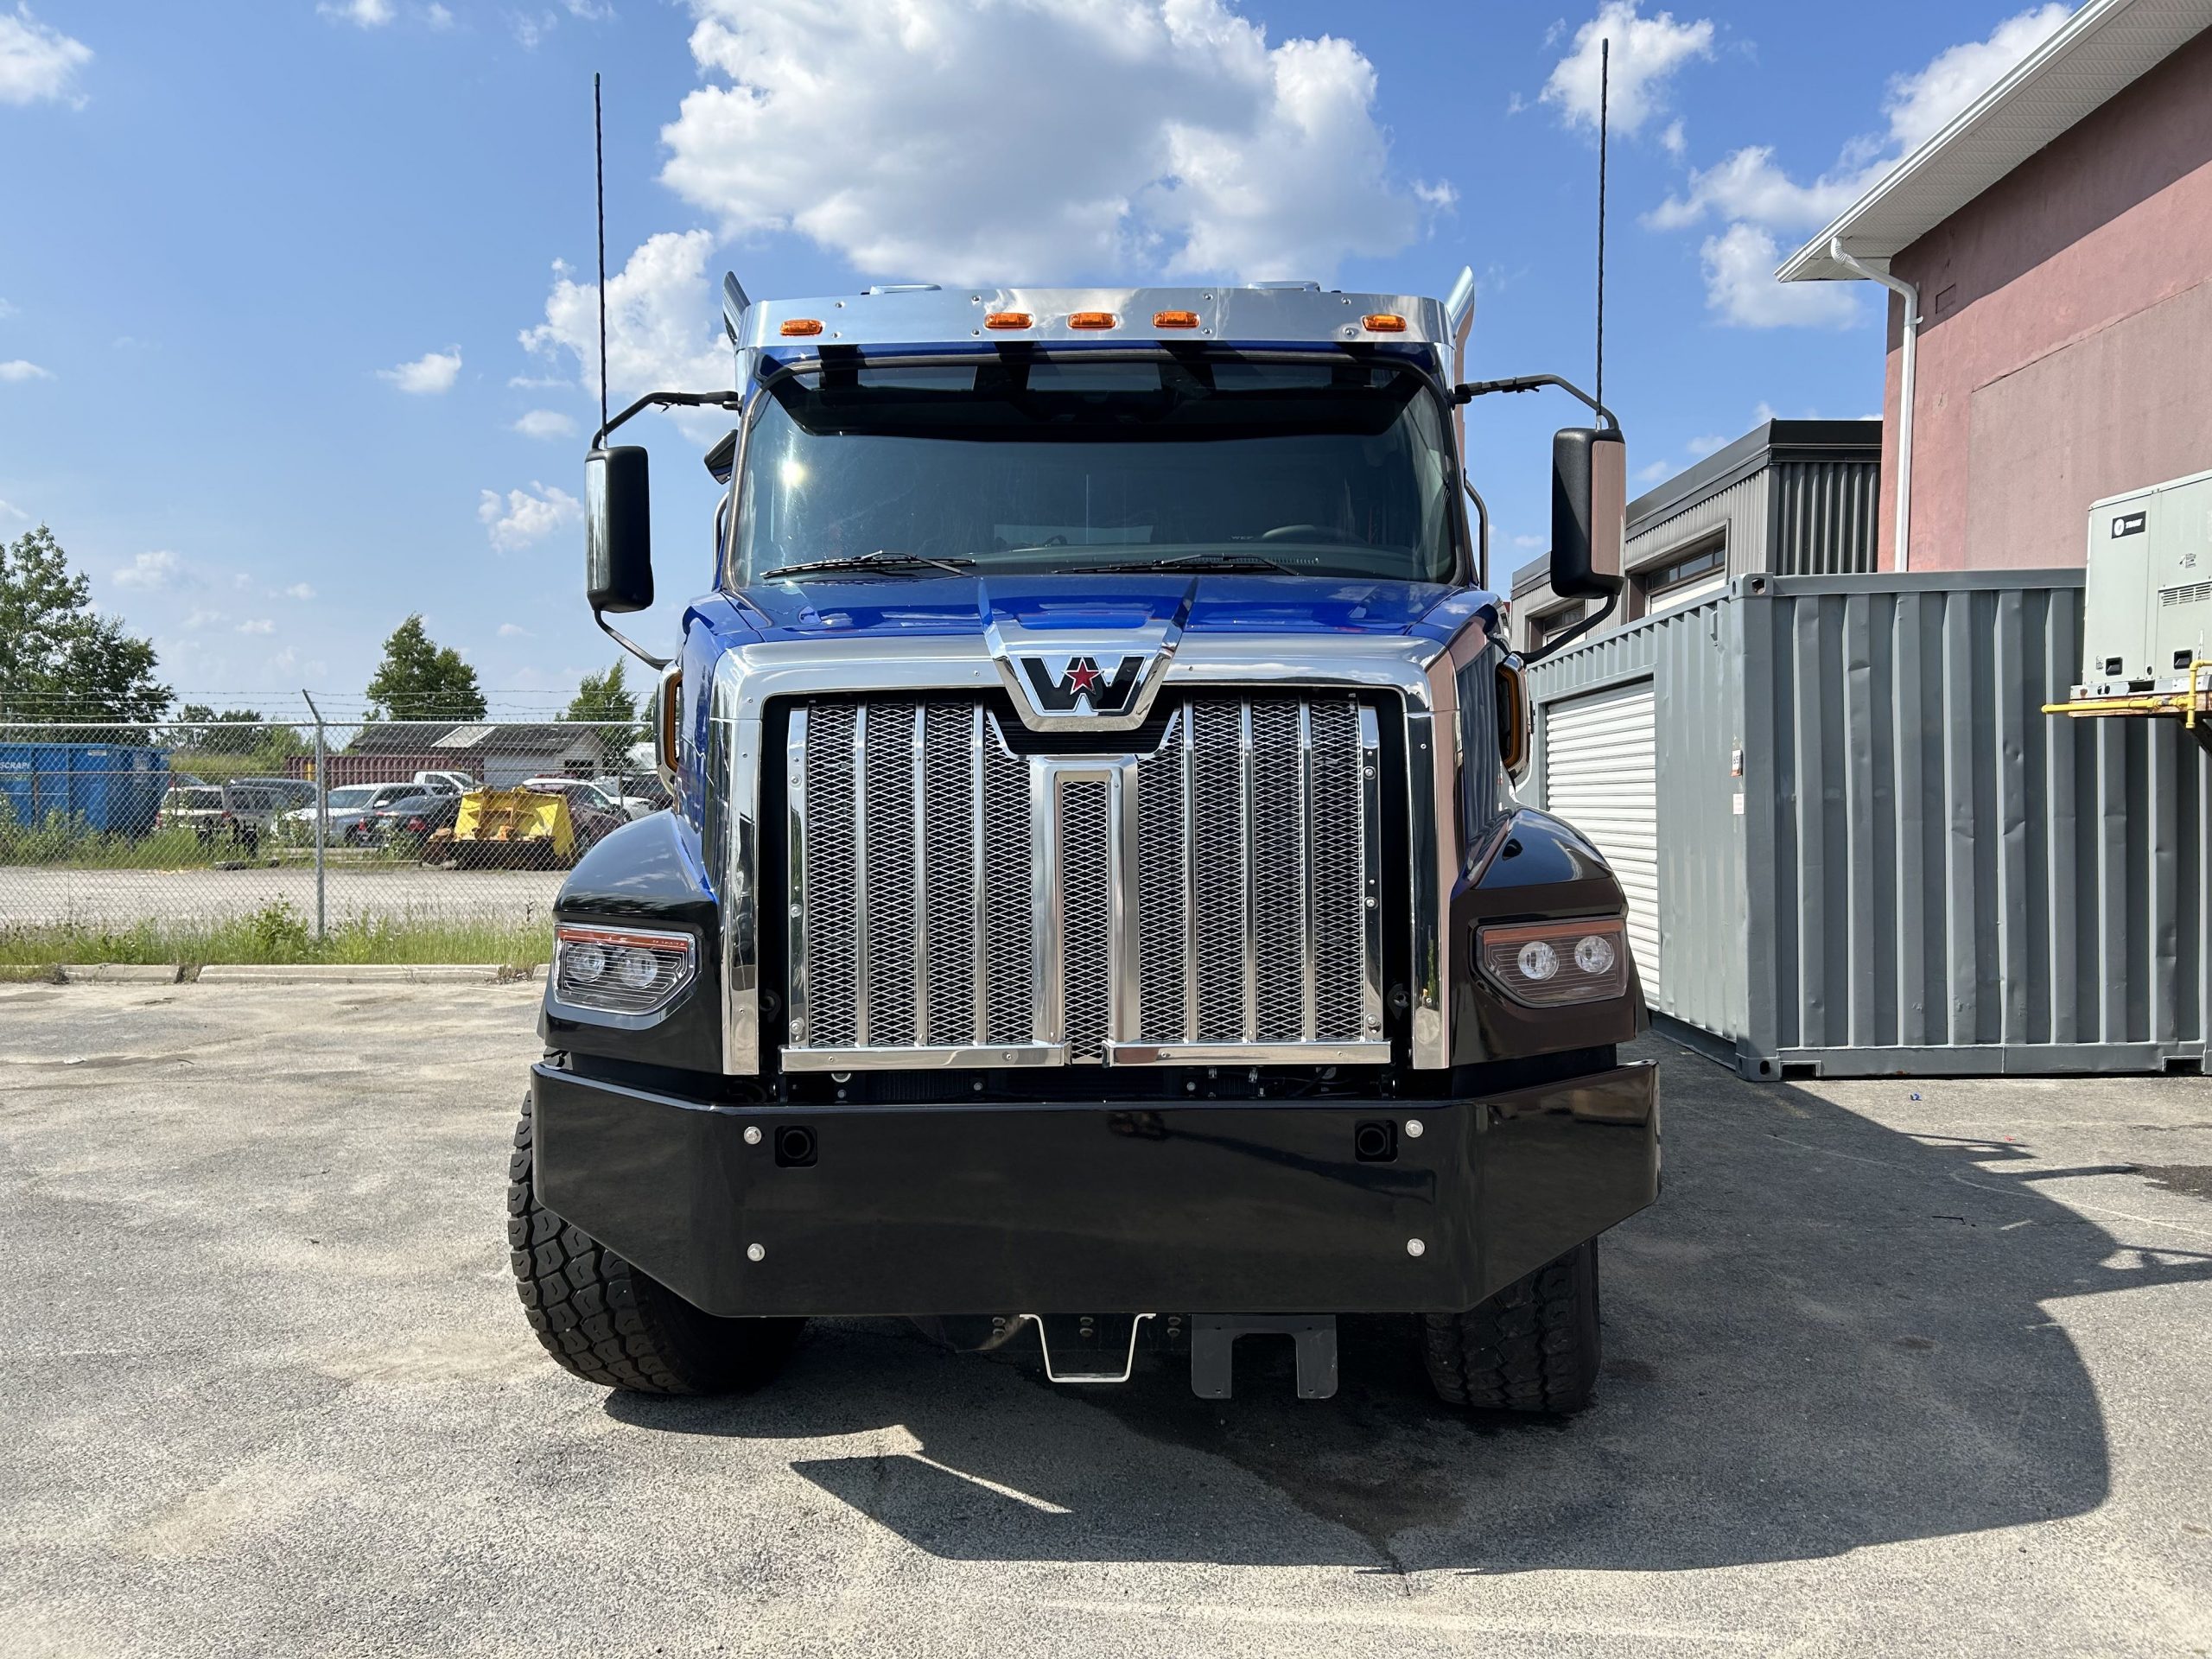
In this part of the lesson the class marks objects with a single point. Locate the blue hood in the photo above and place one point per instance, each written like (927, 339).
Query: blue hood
(859, 607)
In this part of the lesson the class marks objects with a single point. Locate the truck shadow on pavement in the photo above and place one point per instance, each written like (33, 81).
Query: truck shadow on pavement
(1828, 1334)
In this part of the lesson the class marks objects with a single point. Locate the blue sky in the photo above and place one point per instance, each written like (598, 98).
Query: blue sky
(284, 354)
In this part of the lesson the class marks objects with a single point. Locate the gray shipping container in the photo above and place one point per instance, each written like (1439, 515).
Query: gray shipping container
(1877, 856)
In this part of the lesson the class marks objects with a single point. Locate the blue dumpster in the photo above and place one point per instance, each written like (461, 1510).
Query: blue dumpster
(113, 788)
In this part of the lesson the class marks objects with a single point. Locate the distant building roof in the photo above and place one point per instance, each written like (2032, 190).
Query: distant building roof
(2095, 55)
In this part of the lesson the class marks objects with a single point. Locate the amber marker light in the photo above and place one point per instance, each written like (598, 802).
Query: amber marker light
(1008, 319)
(1091, 318)
(801, 327)
(1174, 319)
(1384, 322)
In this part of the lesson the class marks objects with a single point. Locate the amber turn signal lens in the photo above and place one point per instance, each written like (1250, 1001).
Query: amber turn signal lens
(1384, 322)
(1008, 319)
(800, 327)
(1091, 318)
(1174, 319)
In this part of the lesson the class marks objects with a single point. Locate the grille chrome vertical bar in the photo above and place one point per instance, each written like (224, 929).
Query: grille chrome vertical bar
(1371, 864)
(863, 967)
(1045, 1025)
(1250, 887)
(1308, 968)
(917, 761)
(1190, 719)
(796, 990)
(1130, 902)
(976, 739)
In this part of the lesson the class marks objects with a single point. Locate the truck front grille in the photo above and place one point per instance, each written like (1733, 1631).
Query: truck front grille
(957, 903)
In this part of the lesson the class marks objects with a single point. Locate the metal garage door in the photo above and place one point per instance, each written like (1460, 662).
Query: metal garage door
(1601, 774)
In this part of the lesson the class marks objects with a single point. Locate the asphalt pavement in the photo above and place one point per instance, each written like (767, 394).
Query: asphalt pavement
(1892, 1367)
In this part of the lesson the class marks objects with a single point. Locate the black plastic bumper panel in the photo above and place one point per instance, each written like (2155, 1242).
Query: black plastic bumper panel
(1250, 1208)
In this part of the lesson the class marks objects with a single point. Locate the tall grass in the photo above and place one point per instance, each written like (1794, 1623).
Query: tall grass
(278, 933)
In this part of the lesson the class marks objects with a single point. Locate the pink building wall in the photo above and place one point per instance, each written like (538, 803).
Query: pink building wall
(2066, 346)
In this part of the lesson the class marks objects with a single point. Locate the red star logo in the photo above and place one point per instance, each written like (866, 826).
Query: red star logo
(1082, 676)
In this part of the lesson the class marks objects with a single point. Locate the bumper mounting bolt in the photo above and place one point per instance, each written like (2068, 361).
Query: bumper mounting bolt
(1414, 1127)
(760, 1252)
(752, 1134)
(1413, 1247)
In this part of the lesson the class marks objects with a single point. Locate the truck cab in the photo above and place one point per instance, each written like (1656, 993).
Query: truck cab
(1095, 917)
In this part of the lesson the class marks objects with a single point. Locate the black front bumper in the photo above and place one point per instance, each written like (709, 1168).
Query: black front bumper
(1217, 1207)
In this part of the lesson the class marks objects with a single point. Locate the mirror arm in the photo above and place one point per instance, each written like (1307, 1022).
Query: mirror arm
(656, 664)
(669, 400)
(1530, 659)
(1470, 391)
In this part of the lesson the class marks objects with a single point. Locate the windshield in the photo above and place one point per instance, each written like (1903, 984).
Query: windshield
(1338, 469)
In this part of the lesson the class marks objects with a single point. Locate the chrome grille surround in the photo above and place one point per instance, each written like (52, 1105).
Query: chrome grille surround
(1172, 896)
(1416, 672)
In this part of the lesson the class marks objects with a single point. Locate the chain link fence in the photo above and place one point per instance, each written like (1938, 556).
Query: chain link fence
(300, 837)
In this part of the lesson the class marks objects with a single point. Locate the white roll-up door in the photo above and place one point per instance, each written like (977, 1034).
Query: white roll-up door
(1601, 774)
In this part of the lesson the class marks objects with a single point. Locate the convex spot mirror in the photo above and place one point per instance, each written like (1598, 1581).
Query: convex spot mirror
(618, 530)
(1589, 512)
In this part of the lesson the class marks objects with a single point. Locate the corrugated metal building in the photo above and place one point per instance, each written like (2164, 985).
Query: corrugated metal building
(1859, 846)
(1792, 498)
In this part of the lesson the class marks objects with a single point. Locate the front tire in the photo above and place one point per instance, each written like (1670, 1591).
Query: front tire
(603, 1320)
(1533, 1347)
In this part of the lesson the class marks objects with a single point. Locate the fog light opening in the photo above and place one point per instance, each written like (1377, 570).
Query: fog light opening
(795, 1146)
(1374, 1143)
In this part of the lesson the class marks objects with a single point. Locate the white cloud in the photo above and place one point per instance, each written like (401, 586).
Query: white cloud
(437, 16)
(951, 139)
(1647, 53)
(257, 625)
(18, 369)
(546, 423)
(362, 13)
(428, 375)
(299, 590)
(515, 631)
(241, 580)
(1674, 141)
(1757, 199)
(1699, 448)
(7, 310)
(202, 619)
(1654, 471)
(1922, 103)
(1530, 541)
(157, 569)
(519, 517)
(9, 510)
(38, 63)
(663, 325)
(1739, 285)
(1763, 411)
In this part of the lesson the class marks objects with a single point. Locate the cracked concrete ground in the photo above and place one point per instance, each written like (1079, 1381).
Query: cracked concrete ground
(1892, 1367)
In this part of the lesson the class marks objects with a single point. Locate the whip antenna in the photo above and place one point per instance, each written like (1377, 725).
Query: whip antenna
(599, 191)
(1604, 87)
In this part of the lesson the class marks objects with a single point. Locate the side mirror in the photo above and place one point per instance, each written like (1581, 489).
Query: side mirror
(1589, 512)
(618, 530)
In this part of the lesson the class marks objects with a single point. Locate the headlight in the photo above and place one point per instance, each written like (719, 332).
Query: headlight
(1551, 964)
(624, 970)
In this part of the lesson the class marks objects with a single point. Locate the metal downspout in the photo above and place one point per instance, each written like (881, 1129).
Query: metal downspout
(1911, 294)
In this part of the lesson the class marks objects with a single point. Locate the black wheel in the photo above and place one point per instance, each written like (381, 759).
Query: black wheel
(608, 1323)
(1533, 1347)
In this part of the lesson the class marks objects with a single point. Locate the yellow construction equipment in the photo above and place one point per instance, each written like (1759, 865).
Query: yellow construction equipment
(508, 828)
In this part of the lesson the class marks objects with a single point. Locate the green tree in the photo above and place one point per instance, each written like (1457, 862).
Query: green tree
(420, 679)
(58, 659)
(606, 698)
(235, 731)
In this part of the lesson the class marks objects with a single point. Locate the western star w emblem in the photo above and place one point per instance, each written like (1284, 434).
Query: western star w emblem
(1080, 686)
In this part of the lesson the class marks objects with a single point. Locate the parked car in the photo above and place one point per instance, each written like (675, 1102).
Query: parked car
(590, 808)
(258, 805)
(590, 791)
(408, 823)
(632, 787)
(199, 808)
(350, 807)
(445, 783)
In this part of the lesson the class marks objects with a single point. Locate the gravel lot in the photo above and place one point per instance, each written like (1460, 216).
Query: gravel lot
(37, 895)
(1893, 1368)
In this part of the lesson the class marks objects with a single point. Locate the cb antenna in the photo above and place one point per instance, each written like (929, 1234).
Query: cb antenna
(1604, 87)
(599, 191)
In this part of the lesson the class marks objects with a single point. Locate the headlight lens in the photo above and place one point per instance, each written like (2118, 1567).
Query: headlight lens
(624, 970)
(1553, 964)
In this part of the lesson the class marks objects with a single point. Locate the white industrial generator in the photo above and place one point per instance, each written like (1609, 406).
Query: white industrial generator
(2146, 630)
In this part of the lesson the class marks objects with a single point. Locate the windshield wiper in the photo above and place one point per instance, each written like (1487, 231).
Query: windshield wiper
(1248, 563)
(878, 560)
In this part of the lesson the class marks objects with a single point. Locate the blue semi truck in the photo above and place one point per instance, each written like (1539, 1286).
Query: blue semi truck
(1097, 918)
